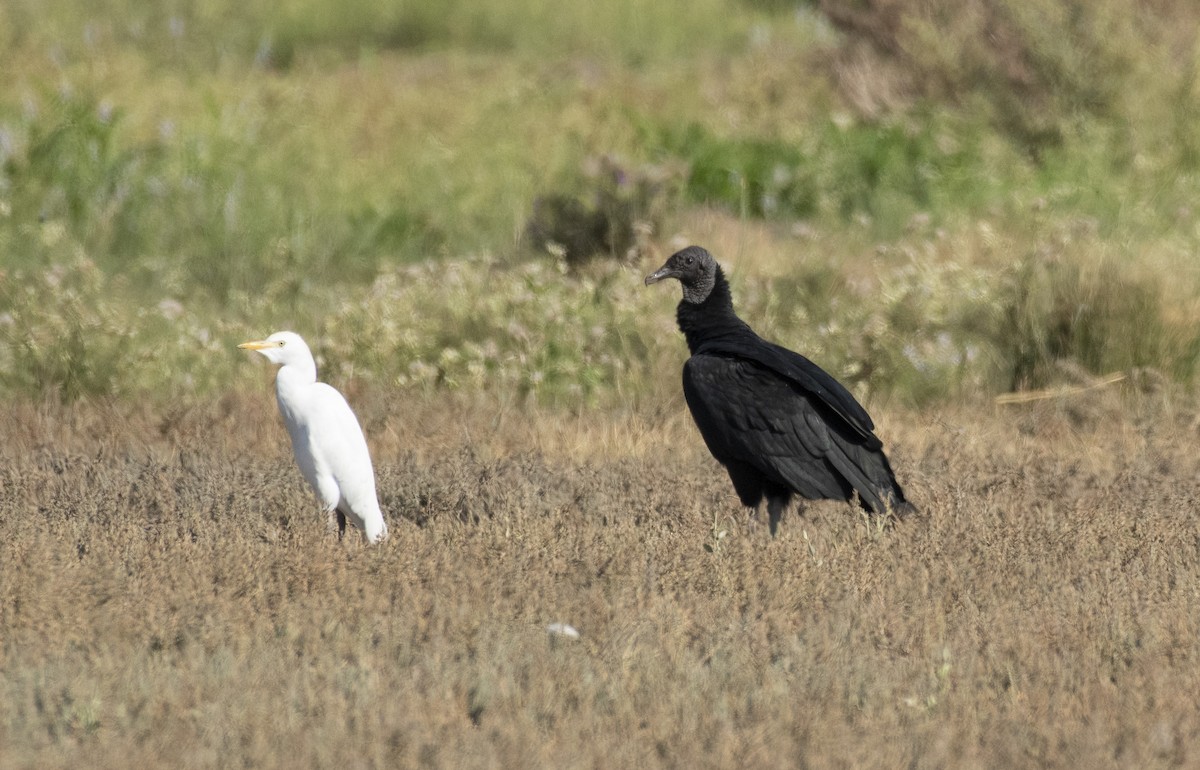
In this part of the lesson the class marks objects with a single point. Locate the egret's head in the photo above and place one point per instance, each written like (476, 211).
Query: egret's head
(693, 267)
(282, 348)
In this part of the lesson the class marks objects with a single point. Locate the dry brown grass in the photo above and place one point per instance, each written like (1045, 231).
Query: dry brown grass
(168, 596)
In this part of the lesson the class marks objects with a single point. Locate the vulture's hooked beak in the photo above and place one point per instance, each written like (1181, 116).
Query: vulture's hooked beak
(663, 272)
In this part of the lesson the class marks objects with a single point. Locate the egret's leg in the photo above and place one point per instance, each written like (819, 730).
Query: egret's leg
(335, 522)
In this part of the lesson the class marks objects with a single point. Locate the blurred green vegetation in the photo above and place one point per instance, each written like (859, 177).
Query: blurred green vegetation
(886, 171)
(958, 197)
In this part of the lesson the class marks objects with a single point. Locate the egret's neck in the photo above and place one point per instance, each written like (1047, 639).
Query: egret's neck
(292, 379)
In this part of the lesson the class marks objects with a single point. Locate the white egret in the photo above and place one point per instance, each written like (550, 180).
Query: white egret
(326, 439)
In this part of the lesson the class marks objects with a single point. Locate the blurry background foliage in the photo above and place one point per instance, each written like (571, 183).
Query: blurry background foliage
(934, 199)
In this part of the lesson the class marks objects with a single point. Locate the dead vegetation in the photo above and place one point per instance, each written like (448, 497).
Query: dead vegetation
(1033, 66)
(168, 595)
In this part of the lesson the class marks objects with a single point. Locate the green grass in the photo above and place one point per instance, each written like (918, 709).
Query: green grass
(194, 174)
(887, 171)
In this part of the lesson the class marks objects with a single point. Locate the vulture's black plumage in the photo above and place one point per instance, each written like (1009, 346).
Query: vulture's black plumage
(779, 423)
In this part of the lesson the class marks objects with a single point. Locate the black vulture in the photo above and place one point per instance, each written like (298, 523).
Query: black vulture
(780, 424)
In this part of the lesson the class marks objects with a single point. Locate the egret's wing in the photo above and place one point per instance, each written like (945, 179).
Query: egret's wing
(297, 418)
(340, 446)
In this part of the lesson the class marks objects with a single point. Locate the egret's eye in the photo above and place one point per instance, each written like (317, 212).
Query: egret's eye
(280, 343)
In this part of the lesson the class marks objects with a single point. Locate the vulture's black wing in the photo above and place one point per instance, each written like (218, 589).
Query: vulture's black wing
(805, 376)
(804, 432)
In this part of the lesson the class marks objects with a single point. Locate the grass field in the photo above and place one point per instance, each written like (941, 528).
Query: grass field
(169, 596)
(455, 202)
(176, 179)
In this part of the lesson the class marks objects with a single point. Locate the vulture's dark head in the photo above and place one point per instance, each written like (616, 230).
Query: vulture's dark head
(693, 267)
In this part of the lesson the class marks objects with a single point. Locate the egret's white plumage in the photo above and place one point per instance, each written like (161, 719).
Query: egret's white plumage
(328, 443)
